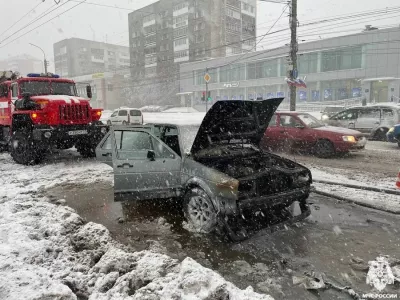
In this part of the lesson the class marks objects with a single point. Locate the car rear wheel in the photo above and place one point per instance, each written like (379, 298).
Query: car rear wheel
(324, 149)
(380, 134)
(199, 211)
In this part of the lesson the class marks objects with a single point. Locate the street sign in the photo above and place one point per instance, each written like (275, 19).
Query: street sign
(207, 78)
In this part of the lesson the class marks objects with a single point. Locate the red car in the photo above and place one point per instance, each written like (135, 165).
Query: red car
(296, 130)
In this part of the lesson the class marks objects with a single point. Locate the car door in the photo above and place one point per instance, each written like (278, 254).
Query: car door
(122, 117)
(292, 128)
(346, 119)
(114, 117)
(367, 119)
(104, 148)
(273, 133)
(144, 167)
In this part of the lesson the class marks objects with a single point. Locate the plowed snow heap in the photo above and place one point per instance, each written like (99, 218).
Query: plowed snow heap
(41, 112)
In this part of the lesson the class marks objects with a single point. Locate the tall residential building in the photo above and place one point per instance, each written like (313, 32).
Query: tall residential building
(24, 64)
(75, 57)
(169, 32)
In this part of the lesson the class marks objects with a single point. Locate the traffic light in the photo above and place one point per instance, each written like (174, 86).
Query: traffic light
(209, 96)
(203, 96)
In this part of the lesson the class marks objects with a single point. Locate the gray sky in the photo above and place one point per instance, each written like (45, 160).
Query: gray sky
(110, 24)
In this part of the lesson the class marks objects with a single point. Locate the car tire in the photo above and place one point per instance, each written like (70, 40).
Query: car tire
(380, 134)
(23, 149)
(324, 149)
(86, 150)
(199, 211)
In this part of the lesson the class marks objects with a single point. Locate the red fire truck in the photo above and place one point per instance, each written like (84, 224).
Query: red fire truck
(41, 112)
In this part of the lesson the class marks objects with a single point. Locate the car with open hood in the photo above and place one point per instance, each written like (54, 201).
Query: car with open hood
(217, 168)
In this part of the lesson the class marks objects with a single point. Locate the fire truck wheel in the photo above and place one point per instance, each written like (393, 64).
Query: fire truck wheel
(23, 150)
(86, 150)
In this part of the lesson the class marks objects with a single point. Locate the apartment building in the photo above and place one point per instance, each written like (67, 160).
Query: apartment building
(75, 57)
(169, 32)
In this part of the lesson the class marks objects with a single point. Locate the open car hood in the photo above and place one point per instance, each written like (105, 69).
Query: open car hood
(235, 121)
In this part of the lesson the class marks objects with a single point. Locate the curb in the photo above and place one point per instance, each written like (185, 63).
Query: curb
(354, 202)
(360, 187)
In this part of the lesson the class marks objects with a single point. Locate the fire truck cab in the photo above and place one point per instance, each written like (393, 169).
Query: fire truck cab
(41, 112)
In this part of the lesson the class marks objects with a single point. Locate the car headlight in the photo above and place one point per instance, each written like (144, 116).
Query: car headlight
(391, 130)
(349, 138)
(325, 117)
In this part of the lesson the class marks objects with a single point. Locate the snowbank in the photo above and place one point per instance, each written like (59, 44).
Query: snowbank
(378, 200)
(48, 252)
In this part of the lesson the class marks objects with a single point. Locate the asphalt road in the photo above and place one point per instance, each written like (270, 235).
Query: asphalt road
(378, 157)
(327, 241)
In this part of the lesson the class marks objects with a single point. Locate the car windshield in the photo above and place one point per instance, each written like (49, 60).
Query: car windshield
(310, 121)
(48, 88)
(187, 136)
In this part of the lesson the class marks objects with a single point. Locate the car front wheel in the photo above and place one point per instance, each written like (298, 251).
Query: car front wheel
(324, 149)
(199, 211)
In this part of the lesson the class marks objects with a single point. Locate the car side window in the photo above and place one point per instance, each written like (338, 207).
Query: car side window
(114, 114)
(122, 113)
(289, 121)
(373, 113)
(346, 115)
(160, 150)
(135, 113)
(272, 123)
(387, 114)
(107, 144)
(134, 145)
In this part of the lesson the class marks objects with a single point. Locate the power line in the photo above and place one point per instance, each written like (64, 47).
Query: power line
(16, 22)
(44, 23)
(34, 21)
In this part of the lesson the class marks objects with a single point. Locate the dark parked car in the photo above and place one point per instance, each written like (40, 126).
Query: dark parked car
(217, 169)
(301, 131)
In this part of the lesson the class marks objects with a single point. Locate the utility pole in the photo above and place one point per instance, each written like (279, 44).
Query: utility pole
(44, 54)
(293, 73)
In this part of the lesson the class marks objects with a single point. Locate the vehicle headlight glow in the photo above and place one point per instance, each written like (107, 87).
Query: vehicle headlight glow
(325, 117)
(391, 130)
(349, 138)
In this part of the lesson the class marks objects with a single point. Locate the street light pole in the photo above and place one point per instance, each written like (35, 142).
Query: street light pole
(293, 53)
(44, 54)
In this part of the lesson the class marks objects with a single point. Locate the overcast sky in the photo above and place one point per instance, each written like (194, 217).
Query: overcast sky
(111, 24)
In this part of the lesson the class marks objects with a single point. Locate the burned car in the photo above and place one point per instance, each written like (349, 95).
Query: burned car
(217, 169)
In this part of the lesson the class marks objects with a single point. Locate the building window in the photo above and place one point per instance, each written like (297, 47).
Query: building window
(199, 14)
(180, 54)
(151, 40)
(199, 38)
(180, 6)
(201, 51)
(164, 47)
(233, 14)
(151, 60)
(180, 42)
(163, 14)
(110, 87)
(180, 32)
(235, 72)
(148, 51)
(342, 59)
(308, 63)
(199, 26)
(165, 37)
(234, 3)
(148, 18)
(181, 21)
(262, 69)
(150, 29)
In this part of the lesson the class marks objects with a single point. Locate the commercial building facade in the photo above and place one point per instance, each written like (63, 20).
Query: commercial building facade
(366, 64)
(24, 64)
(76, 57)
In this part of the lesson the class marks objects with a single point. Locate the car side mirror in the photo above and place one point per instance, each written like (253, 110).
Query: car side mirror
(89, 91)
(151, 155)
(299, 126)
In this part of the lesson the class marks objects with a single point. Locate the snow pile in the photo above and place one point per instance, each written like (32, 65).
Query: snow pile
(174, 118)
(48, 252)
